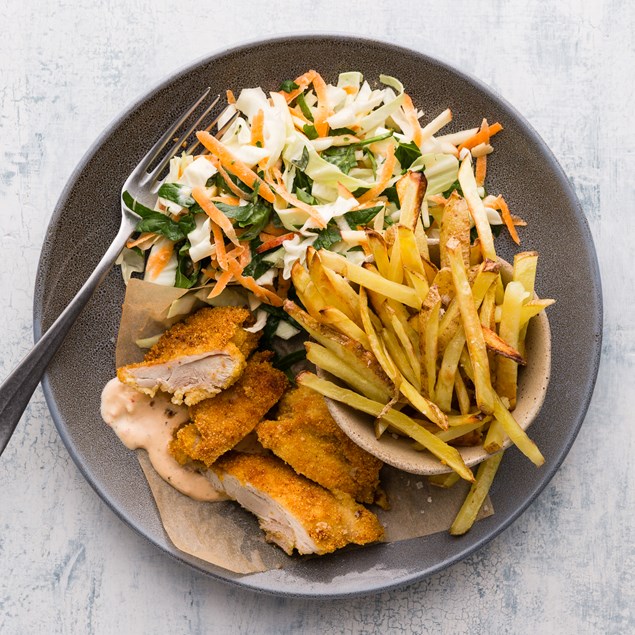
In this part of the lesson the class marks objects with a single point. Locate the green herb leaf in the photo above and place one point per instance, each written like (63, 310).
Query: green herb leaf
(257, 266)
(338, 132)
(177, 193)
(406, 153)
(380, 137)
(302, 181)
(303, 161)
(186, 271)
(455, 186)
(304, 107)
(362, 216)
(342, 157)
(391, 194)
(310, 131)
(160, 224)
(327, 237)
(284, 363)
(288, 86)
(305, 197)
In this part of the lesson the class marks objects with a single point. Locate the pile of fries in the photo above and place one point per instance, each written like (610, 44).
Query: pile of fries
(431, 350)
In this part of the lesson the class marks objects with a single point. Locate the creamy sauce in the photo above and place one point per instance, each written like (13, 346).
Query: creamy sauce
(147, 422)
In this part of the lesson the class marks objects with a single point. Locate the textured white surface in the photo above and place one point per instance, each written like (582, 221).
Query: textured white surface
(68, 565)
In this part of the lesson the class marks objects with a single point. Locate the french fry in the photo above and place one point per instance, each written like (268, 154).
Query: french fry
(445, 382)
(335, 318)
(418, 282)
(462, 396)
(477, 209)
(525, 266)
(328, 361)
(306, 290)
(444, 480)
(476, 496)
(349, 351)
(411, 189)
(379, 249)
(498, 345)
(397, 354)
(421, 238)
(443, 282)
(472, 326)
(458, 431)
(401, 422)
(365, 278)
(428, 341)
(395, 267)
(455, 223)
(408, 337)
(408, 249)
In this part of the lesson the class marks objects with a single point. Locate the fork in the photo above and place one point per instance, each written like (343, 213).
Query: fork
(17, 389)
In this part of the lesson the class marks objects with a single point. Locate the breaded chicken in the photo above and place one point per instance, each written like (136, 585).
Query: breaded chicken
(219, 423)
(307, 438)
(294, 513)
(196, 358)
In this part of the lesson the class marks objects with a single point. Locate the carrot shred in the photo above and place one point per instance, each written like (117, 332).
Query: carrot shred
(219, 242)
(386, 175)
(480, 169)
(230, 184)
(199, 195)
(274, 242)
(342, 192)
(413, 120)
(274, 231)
(234, 165)
(250, 284)
(303, 82)
(507, 219)
(282, 191)
(158, 260)
(257, 125)
(221, 283)
(228, 200)
(141, 239)
(231, 98)
(323, 110)
(283, 286)
(481, 136)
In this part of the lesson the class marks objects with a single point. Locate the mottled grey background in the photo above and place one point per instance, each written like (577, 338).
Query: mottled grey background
(68, 565)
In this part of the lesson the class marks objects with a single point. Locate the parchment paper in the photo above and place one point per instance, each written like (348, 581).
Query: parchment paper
(223, 533)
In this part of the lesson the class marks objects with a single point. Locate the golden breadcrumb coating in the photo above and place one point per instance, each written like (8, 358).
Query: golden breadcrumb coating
(195, 358)
(219, 423)
(307, 438)
(331, 519)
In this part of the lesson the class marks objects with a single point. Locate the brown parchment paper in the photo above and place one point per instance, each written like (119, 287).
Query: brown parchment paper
(224, 534)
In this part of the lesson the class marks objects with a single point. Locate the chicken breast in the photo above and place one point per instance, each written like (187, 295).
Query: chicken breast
(307, 438)
(196, 358)
(294, 512)
(218, 424)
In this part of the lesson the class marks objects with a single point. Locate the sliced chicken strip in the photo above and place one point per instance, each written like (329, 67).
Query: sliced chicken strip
(196, 358)
(218, 424)
(307, 438)
(294, 513)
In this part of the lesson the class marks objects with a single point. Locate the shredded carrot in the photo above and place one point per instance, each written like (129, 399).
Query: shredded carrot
(413, 120)
(507, 219)
(221, 170)
(481, 162)
(249, 283)
(283, 285)
(350, 90)
(228, 200)
(231, 98)
(158, 260)
(481, 136)
(342, 192)
(219, 242)
(297, 112)
(257, 124)
(221, 283)
(303, 82)
(274, 231)
(141, 239)
(386, 175)
(245, 258)
(274, 242)
(234, 165)
(199, 195)
(323, 109)
(282, 191)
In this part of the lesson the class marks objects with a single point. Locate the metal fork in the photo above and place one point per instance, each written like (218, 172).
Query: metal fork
(17, 389)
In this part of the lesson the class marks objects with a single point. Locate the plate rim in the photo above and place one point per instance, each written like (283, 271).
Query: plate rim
(544, 478)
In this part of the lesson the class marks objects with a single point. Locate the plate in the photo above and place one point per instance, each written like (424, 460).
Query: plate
(522, 167)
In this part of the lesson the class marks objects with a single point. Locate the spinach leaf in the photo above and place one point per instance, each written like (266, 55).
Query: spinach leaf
(186, 270)
(303, 161)
(268, 331)
(391, 194)
(310, 131)
(362, 216)
(304, 107)
(327, 237)
(373, 162)
(496, 230)
(305, 197)
(177, 193)
(406, 153)
(257, 266)
(302, 181)
(255, 214)
(187, 223)
(220, 183)
(284, 363)
(161, 224)
(342, 157)
(338, 132)
(288, 86)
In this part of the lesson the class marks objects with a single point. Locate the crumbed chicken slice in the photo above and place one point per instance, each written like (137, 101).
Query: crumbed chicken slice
(307, 438)
(294, 512)
(218, 424)
(196, 358)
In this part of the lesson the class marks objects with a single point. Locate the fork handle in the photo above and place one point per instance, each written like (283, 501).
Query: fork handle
(17, 389)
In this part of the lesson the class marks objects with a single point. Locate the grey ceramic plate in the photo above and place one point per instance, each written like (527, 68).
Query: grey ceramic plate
(523, 168)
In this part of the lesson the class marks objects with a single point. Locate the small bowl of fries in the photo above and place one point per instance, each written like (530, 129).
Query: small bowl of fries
(434, 357)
